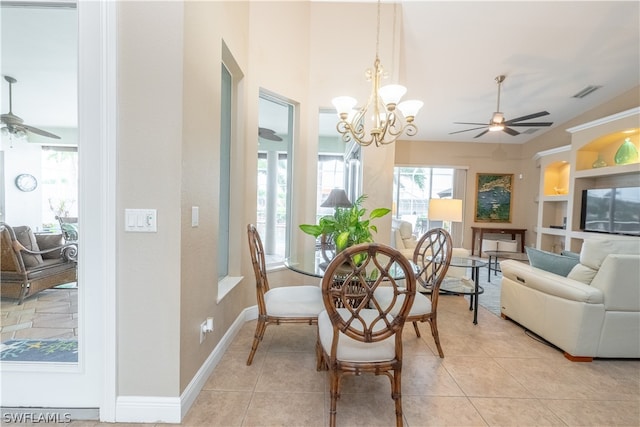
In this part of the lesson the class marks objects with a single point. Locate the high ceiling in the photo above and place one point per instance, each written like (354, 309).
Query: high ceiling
(453, 51)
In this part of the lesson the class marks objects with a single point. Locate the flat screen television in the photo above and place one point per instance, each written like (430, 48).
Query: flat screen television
(611, 210)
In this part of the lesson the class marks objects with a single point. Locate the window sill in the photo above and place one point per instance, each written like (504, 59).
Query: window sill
(226, 285)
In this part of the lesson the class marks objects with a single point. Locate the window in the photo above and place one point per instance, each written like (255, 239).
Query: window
(226, 116)
(59, 185)
(338, 163)
(275, 141)
(412, 189)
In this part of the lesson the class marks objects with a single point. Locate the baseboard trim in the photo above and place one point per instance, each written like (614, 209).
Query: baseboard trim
(156, 409)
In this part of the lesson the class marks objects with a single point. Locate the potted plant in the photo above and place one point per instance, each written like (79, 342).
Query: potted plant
(346, 227)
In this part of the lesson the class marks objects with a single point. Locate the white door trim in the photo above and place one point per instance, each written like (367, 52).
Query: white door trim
(91, 383)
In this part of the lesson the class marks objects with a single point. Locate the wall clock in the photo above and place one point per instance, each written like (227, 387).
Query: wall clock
(26, 182)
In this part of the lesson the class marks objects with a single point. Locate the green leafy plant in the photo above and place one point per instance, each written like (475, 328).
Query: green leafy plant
(346, 227)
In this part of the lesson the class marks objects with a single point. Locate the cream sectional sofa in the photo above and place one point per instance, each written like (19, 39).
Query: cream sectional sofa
(593, 312)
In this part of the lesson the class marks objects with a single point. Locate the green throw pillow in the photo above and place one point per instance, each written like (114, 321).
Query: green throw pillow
(553, 263)
(570, 254)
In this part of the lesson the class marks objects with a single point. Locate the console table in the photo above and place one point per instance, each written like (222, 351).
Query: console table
(491, 230)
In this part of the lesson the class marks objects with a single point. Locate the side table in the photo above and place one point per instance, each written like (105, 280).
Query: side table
(456, 287)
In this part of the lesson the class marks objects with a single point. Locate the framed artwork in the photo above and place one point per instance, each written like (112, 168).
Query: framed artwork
(494, 197)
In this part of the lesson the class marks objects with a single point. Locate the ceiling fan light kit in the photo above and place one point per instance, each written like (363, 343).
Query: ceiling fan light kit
(498, 122)
(377, 121)
(14, 126)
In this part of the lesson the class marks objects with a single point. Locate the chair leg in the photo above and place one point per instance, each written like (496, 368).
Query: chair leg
(260, 328)
(396, 394)
(335, 394)
(415, 326)
(321, 364)
(23, 293)
(436, 337)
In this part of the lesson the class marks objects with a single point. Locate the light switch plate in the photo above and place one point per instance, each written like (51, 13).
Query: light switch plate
(141, 220)
(195, 216)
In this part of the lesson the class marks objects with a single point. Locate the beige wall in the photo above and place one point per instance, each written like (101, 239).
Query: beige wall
(207, 25)
(150, 91)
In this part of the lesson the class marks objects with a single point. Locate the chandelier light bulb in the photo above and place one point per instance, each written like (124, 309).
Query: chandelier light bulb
(410, 108)
(344, 105)
(391, 94)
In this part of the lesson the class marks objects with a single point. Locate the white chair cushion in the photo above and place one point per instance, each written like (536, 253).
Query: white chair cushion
(489, 245)
(350, 350)
(508, 245)
(421, 303)
(406, 230)
(294, 301)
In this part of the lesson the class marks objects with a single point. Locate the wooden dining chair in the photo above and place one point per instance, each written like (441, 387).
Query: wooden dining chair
(431, 257)
(284, 304)
(356, 332)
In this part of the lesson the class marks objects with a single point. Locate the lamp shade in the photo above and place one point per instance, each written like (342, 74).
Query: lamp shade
(445, 210)
(391, 94)
(337, 199)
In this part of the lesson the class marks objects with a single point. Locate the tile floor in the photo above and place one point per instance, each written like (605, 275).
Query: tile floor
(492, 374)
(52, 313)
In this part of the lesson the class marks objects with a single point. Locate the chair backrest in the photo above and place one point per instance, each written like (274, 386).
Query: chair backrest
(348, 287)
(69, 227)
(433, 256)
(9, 258)
(259, 265)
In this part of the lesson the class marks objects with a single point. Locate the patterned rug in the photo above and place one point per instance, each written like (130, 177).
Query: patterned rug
(59, 351)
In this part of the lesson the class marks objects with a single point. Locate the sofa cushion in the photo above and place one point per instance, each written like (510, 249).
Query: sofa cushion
(48, 241)
(594, 251)
(551, 262)
(25, 236)
(571, 254)
(582, 273)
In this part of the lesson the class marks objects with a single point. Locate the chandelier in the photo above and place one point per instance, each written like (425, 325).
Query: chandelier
(378, 120)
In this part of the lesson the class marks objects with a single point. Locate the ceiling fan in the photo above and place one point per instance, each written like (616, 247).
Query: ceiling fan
(498, 122)
(269, 134)
(14, 125)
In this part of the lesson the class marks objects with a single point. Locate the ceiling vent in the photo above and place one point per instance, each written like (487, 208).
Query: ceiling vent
(586, 91)
(530, 131)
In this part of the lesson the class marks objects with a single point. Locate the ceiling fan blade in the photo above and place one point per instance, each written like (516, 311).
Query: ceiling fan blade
(268, 134)
(530, 116)
(39, 131)
(481, 133)
(467, 130)
(510, 131)
(468, 123)
(532, 124)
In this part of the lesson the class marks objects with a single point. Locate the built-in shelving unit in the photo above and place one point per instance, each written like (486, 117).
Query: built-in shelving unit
(600, 139)
(553, 198)
(579, 167)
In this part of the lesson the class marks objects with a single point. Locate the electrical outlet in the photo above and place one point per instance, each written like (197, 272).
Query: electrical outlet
(203, 331)
(205, 327)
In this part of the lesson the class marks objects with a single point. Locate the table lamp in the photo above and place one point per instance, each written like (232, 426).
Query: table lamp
(445, 210)
(337, 199)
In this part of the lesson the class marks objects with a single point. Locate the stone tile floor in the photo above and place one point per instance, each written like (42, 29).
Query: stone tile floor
(493, 374)
(52, 313)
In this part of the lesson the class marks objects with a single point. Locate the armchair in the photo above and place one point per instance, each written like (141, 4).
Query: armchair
(31, 262)
(404, 240)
